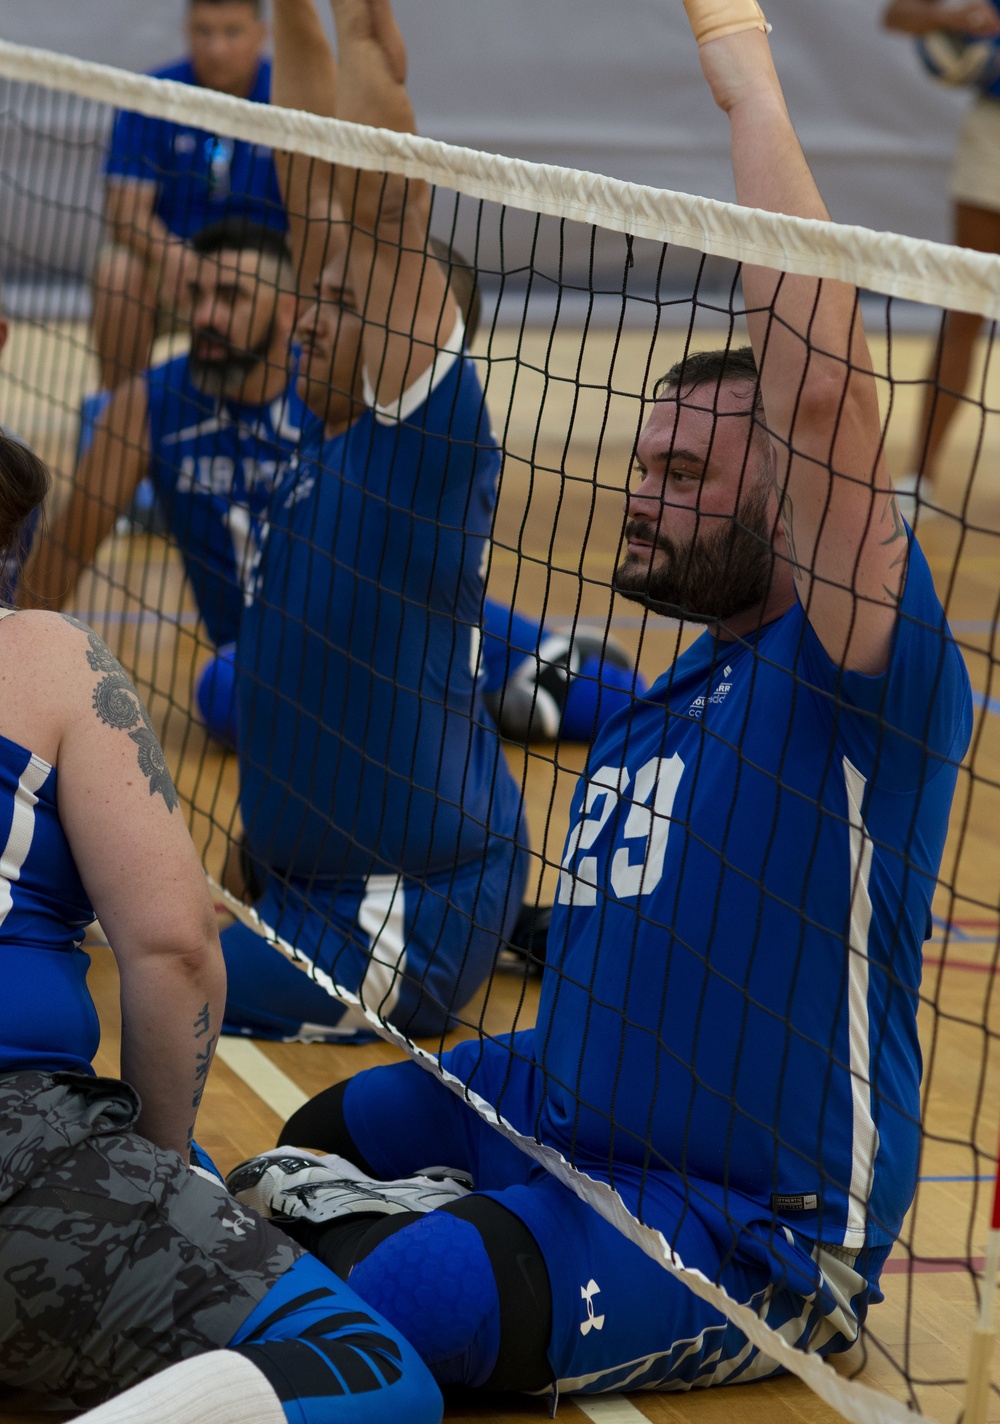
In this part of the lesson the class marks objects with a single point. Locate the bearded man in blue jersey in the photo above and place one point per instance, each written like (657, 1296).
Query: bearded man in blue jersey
(726, 1041)
(213, 430)
(375, 797)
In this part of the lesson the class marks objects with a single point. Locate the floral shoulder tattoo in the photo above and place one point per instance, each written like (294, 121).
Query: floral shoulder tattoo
(117, 704)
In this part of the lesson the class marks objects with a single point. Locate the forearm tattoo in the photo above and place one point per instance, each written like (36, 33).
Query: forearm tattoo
(117, 704)
(203, 1055)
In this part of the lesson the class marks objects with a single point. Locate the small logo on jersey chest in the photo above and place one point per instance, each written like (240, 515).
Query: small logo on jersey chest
(714, 699)
(804, 1201)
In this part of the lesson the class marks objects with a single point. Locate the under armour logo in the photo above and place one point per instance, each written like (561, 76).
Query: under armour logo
(236, 1227)
(592, 1322)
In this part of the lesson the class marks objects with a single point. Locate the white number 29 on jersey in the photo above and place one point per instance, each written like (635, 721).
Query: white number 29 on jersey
(636, 866)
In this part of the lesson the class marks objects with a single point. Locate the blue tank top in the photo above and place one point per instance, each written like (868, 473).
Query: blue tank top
(734, 956)
(47, 1017)
(364, 746)
(215, 464)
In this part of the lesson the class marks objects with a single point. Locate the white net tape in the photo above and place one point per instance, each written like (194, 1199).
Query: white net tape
(889, 264)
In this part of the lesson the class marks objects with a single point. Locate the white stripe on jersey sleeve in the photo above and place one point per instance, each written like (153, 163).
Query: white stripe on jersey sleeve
(22, 830)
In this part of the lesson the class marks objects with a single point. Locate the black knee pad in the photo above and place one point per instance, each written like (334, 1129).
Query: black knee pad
(524, 1291)
(321, 1125)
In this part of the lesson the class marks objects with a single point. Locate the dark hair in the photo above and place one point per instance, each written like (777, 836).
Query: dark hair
(712, 368)
(257, 6)
(238, 234)
(24, 483)
(462, 281)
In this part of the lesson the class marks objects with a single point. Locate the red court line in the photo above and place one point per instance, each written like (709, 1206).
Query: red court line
(934, 960)
(931, 1265)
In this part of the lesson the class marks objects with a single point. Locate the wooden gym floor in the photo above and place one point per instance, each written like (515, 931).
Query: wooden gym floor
(549, 528)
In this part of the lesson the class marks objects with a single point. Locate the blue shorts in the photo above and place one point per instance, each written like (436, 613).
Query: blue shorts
(415, 951)
(619, 1320)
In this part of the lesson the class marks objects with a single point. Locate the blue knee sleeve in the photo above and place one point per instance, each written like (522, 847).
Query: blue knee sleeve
(434, 1282)
(328, 1356)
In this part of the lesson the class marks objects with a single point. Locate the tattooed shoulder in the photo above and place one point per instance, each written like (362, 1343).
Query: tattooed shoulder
(119, 705)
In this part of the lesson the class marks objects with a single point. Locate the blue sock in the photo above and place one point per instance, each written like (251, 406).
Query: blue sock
(92, 407)
(215, 693)
(508, 638)
(433, 1281)
(595, 693)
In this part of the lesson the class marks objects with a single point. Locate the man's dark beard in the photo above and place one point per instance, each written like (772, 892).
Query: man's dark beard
(226, 375)
(726, 571)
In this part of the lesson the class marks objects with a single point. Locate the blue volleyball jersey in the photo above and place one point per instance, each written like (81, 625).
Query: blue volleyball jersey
(364, 748)
(47, 1017)
(200, 178)
(215, 464)
(735, 949)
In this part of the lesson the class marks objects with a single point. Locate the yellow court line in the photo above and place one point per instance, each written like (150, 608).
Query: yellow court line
(607, 1408)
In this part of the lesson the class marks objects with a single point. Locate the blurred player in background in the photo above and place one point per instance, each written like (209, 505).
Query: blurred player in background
(167, 181)
(212, 429)
(975, 190)
(727, 1029)
(136, 1261)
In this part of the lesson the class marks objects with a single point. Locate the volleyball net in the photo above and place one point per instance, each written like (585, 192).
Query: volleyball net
(329, 614)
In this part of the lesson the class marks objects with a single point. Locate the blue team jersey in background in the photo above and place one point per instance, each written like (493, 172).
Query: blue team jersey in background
(200, 178)
(735, 949)
(364, 747)
(215, 464)
(47, 1017)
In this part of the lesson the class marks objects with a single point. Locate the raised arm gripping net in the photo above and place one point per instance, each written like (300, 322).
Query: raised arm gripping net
(732, 988)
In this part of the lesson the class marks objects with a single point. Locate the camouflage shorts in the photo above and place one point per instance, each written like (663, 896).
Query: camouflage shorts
(115, 1260)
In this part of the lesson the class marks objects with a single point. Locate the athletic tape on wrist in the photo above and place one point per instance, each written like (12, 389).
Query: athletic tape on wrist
(712, 19)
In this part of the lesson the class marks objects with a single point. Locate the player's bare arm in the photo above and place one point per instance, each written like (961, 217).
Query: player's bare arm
(304, 76)
(103, 486)
(409, 311)
(130, 211)
(845, 535)
(66, 696)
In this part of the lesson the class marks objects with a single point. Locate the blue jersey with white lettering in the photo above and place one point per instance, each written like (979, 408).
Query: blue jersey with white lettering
(214, 465)
(735, 953)
(47, 1017)
(200, 178)
(364, 747)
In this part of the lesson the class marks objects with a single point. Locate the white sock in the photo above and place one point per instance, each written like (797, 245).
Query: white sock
(220, 1387)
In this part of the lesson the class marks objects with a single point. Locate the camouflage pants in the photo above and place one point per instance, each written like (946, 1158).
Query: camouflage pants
(115, 1260)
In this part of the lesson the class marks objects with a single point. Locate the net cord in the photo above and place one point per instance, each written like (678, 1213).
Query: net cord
(888, 263)
(858, 1403)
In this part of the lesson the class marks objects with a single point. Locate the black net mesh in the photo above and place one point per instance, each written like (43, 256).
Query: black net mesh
(330, 609)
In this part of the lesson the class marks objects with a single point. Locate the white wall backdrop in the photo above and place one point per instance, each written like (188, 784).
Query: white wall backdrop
(613, 86)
